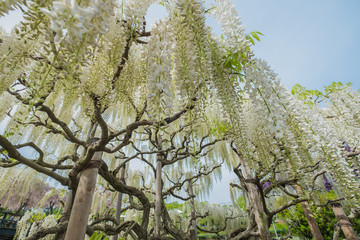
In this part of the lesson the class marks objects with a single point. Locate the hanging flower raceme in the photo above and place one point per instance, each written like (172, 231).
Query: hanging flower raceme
(9, 5)
(12, 58)
(344, 114)
(327, 183)
(134, 12)
(75, 28)
(28, 226)
(191, 36)
(225, 13)
(71, 21)
(160, 64)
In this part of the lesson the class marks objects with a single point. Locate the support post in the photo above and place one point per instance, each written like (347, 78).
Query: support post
(193, 229)
(315, 230)
(158, 191)
(83, 199)
(158, 197)
(344, 222)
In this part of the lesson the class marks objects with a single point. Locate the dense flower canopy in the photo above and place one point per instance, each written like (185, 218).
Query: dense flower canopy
(73, 70)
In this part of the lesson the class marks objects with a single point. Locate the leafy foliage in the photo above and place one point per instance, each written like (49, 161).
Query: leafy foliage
(254, 35)
(99, 236)
(324, 217)
(174, 205)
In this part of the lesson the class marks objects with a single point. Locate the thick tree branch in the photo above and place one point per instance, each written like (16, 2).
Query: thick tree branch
(68, 134)
(42, 232)
(13, 153)
(121, 187)
(287, 205)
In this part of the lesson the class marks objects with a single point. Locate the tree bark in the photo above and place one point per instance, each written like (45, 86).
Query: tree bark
(246, 199)
(158, 198)
(260, 215)
(83, 199)
(69, 202)
(315, 230)
(66, 213)
(336, 233)
(193, 229)
(344, 222)
(119, 199)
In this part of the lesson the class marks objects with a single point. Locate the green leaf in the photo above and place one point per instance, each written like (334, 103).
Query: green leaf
(248, 37)
(255, 35)
(297, 88)
(97, 236)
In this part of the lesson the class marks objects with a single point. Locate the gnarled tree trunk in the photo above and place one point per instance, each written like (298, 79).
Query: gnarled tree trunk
(119, 199)
(260, 215)
(66, 213)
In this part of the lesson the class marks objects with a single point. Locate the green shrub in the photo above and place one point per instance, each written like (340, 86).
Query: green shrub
(324, 217)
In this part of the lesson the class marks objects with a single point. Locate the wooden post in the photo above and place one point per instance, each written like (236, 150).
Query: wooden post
(158, 191)
(193, 229)
(344, 222)
(158, 198)
(83, 199)
(119, 199)
(315, 230)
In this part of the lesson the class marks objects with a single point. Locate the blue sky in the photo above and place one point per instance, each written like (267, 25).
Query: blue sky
(309, 42)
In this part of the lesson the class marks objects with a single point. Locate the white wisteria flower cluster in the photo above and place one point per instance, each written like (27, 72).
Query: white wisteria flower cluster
(8, 5)
(135, 12)
(160, 64)
(27, 225)
(71, 21)
(302, 132)
(225, 13)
